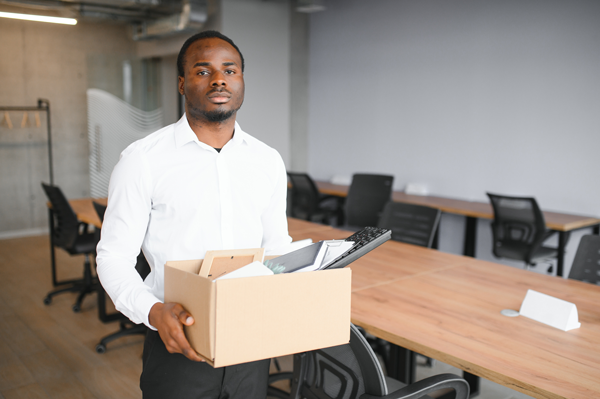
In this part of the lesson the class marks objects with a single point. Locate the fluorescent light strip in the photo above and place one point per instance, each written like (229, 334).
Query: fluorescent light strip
(39, 18)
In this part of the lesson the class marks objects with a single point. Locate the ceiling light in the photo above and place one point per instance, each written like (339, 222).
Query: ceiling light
(310, 6)
(39, 18)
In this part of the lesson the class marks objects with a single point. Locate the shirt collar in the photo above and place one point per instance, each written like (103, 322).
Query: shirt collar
(184, 134)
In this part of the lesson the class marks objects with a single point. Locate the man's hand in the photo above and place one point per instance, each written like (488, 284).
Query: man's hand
(168, 319)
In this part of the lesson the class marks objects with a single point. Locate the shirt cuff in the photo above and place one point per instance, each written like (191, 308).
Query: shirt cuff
(145, 303)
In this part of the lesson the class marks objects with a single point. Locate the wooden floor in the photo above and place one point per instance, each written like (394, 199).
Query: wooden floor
(48, 351)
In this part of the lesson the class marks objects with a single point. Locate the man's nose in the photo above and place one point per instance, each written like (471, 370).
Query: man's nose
(218, 80)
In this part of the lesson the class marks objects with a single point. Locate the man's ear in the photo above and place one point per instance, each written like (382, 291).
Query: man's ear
(181, 81)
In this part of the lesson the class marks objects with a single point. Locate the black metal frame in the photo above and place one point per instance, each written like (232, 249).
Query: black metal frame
(44, 105)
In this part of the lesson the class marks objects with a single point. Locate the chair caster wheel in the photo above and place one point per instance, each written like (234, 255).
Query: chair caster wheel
(76, 308)
(100, 348)
(47, 300)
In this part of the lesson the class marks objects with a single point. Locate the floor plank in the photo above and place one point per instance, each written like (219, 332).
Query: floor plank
(48, 351)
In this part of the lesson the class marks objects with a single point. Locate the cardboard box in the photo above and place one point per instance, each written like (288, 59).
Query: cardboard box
(247, 319)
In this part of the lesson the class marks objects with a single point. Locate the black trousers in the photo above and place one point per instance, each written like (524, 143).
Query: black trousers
(173, 376)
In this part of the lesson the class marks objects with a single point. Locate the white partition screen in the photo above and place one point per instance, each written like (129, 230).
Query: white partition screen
(113, 124)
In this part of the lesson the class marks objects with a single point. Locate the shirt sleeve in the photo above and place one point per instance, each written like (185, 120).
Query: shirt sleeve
(274, 219)
(123, 231)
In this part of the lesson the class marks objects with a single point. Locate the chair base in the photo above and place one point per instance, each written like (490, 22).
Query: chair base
(125, 328)
(82, 287)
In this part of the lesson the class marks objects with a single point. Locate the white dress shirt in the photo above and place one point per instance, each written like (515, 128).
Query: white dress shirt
(176, 198)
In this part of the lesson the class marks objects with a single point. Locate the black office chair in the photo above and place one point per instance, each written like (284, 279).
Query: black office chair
(519, 230)
(411, 224)
(308, 203)
(68, 233)
(366, 198)
(586, 265)
(126, 326)
(352, 371)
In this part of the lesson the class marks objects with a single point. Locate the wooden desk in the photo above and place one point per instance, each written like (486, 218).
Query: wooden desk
(84, 209)
(453, 314)
(448, 307)
(560, 222)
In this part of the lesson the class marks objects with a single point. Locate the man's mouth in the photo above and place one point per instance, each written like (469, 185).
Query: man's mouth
(219, 97)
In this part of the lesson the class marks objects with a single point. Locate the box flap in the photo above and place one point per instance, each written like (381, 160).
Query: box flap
(298, 312)
(196, 295)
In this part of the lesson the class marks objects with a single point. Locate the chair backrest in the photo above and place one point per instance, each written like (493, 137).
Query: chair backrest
(412, 224)
(366, 198)
(305, 196)
(141, 265)
(518, 221)
(586, 265)
(344, 371)
(66, 224)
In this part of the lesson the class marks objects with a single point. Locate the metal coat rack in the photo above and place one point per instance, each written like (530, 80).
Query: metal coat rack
(42, 105)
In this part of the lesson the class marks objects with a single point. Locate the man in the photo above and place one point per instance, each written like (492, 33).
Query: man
(199, 184)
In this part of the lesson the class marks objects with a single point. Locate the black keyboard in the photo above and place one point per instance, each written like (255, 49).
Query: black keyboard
(365, 241)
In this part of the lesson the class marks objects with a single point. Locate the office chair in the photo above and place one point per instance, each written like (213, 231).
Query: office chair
(309, 204)
(68, 233)
(586, 265)
(366, 198)
(126, 326)
(352, 371)
(411, 224)
(519, 230)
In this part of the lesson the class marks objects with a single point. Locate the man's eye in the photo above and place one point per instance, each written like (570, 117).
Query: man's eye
(230, 72)
(203, 73)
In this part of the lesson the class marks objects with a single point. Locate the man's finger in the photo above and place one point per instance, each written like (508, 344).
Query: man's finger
(185, 346)
(185, 318)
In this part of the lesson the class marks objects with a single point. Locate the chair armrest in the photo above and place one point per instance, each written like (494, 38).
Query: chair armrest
(427, 386)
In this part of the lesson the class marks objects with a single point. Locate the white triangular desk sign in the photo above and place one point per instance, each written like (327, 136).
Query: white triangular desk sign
(550, 310)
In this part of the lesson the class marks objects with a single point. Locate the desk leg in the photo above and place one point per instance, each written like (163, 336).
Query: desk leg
(401, 364)
(436, 239)
(470, 237)
(596, 229)
(473, 381)
(560, 258)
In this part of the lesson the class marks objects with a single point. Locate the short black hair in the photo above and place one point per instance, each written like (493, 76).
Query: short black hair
(207, 34)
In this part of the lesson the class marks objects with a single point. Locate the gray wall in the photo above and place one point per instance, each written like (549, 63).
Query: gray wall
(463, 96)
(53, 61)
(261, 29)
(41, 60)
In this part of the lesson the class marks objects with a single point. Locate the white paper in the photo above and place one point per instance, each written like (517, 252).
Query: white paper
(252, 270)
(550, 310)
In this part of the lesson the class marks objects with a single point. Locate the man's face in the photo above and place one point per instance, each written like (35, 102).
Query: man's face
(213, 84)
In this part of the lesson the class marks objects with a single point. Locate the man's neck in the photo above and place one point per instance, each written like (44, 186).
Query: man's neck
(215, 134)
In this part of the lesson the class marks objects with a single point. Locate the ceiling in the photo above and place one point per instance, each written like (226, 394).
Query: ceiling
(149, 19)
(129, 11)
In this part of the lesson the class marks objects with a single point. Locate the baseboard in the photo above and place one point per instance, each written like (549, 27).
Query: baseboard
(38, 231)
